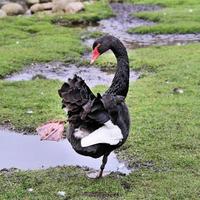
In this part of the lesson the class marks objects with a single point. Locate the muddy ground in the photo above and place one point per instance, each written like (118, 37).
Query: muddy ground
(117, 26)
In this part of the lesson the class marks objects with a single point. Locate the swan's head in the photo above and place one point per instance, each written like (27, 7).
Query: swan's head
(101, 45)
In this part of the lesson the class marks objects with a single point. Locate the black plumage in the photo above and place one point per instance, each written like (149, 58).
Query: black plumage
(89, 112)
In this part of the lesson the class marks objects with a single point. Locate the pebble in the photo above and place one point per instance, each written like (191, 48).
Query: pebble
(61, 193)
(13, 9)
(2, 14)
(30, 189)
(29, 112)
(178, 90)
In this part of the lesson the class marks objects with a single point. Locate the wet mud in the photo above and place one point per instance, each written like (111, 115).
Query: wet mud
(62, 71)
(119, 25)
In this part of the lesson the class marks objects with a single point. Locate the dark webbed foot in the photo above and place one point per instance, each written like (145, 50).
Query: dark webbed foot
(100, 174)
(95, 174)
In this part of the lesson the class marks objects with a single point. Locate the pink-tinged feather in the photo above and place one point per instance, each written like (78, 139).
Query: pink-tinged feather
(52, 130)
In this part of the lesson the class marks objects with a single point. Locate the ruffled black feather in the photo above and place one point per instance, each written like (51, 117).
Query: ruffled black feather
(82, 105)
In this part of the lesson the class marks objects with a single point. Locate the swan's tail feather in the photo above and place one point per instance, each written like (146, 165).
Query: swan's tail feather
(75, 93)
(80, 102)
(84, 108)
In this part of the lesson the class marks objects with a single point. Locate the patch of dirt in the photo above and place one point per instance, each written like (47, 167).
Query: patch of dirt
(124, 20)
(62, 71)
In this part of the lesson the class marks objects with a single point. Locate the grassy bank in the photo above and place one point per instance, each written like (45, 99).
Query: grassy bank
(24, 40)
(175, 17)
(143, 184)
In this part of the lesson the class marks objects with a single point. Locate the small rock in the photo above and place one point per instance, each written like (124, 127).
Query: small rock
(32, 2)
(48, 6)
(36, 8)
(13, 9)
(74, 7)
(59, 5)
(2, 14)
(29, 112)
(178, 90)
(167, 81)
(61, 193)
(30, 189)
(41, 7)
(4, 170)
(28, 12)
(45, 1)
(45, 12)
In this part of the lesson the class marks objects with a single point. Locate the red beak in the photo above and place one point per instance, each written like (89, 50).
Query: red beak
(95, 54)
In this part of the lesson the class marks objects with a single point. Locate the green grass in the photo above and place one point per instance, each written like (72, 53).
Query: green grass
(24, 40)
(93, 13)
(55, 44)
(143, 184)
(165, 132)
(178, 17)
(164, 141)
(170, 3)
(39, 96)
(161, 118)
(154, 58)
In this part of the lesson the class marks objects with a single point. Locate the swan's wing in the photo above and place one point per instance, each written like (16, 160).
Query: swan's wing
(82, 105)
(75, 93)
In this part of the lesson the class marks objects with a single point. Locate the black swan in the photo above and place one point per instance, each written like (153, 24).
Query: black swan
(98, 124)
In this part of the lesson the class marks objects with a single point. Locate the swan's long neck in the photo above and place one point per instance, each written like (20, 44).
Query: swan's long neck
(120, 83)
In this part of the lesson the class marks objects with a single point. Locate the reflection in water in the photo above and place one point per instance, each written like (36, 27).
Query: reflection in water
(27, 152)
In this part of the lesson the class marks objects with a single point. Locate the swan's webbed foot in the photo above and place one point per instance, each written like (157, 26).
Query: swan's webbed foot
(98, 175)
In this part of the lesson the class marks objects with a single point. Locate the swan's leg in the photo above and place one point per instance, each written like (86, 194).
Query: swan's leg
(104, 161)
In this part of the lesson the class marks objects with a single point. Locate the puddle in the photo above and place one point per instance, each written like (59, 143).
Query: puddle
(119, 25)
(27, 152)
(61, 71)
